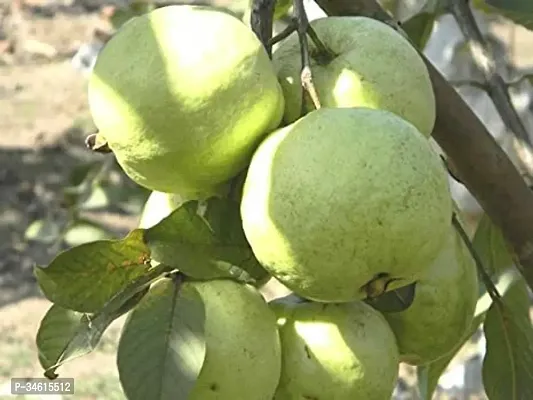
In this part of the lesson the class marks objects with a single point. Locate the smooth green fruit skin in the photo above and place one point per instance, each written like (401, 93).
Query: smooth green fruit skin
(243, 353)
(342, 195)
(443, 308)
(336, 351)
(183, 95)
(374, 66)
(158, 206)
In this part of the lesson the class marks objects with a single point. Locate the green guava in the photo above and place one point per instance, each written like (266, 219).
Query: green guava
(343, 196)
(335, 351)
(443, 307)
(158, 206)
(243, 356)
(242, 345)
(366, 64)
(183, 95)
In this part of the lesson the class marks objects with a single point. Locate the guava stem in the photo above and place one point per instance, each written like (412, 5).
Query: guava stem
(95, 143)
(324, 54)
(487, 281)
(178, 278)
(306, 76)
(378, 285)
(283, 34)
(307, 83)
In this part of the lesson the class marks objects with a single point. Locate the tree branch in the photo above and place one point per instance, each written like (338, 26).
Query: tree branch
(480, 162)
(484, 60)
(262, 20)
(306, 76)
(284, 34)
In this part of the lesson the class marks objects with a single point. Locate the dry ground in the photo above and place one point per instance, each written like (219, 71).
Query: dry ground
(43, 122)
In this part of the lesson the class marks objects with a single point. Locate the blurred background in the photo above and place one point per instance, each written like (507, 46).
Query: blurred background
(55, 194)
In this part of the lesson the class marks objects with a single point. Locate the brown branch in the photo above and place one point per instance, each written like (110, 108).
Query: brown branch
(262, 20)
(306, 75)
(484, 60)
(480, 162)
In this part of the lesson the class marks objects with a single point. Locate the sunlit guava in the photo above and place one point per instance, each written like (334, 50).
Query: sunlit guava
(335, 351)
(366, 64)
(344, 196)
(183, 95)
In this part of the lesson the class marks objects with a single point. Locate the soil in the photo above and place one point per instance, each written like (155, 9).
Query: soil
(43, 123)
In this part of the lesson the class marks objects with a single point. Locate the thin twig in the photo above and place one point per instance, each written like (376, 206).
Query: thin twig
(484, 60)
(306, 75)
(285, 33)
(261, 20)
(451, 170)
(322, 49)
(487, 281)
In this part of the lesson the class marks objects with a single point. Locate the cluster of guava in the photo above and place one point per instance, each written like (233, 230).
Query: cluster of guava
(340, 204)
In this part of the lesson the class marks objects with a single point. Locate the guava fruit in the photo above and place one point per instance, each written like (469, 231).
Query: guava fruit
(443, 307)
(183, 95)
(335, 351)
(242, 346)
(344, 196)
(158, 206)
(366, 64)
(243, 357)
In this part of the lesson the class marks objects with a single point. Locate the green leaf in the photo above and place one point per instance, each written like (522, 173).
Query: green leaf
(57, 328)
(491, 247)
(508, 363)
(85, 277)
(65, 334)
(205, 241)
(162, 347)
(419, 28)
(518, 11)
